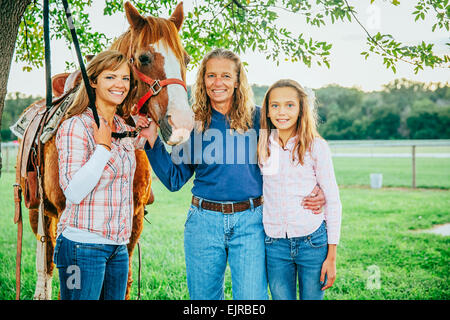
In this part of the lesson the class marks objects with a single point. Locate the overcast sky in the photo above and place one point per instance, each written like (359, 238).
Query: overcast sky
(348, 67)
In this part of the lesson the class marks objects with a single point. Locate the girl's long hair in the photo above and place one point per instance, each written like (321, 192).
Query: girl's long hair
(306, 127)
(106, 60)
(240, 114)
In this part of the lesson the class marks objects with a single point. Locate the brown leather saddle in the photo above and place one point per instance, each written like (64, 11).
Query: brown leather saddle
(30, 150)
(29, 164)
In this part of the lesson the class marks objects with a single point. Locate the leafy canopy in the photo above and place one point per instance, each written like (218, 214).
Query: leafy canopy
(240, 25)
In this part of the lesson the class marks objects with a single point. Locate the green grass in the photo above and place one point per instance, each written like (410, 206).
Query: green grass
(379, 228)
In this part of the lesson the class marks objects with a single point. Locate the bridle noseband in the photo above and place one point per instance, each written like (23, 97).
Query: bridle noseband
(155, 86)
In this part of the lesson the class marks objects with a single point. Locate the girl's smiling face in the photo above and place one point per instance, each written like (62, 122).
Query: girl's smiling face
(284, 109)
(112, 87)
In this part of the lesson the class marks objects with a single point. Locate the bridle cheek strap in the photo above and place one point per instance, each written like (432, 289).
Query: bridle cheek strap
(155, 87)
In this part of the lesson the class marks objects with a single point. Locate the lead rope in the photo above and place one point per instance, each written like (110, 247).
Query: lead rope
(139, 270)
(42, 290)
(43, 284)
(89, 90)
(76, 44)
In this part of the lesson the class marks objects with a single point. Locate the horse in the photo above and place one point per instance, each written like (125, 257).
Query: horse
(154, 47)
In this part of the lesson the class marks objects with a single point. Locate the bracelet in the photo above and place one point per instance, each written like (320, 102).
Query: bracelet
(105, 145)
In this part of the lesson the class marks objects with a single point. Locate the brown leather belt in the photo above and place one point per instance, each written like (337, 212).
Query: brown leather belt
(229, 207)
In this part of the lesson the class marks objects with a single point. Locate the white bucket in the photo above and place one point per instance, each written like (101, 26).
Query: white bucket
(376, 180)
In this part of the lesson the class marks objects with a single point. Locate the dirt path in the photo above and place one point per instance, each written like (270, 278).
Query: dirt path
(443, 229)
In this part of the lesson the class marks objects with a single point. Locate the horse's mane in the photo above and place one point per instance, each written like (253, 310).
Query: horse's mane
(154, 30)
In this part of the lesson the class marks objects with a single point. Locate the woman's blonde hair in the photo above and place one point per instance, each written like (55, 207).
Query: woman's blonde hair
(241, 111)
(306, 127)
(106, 60)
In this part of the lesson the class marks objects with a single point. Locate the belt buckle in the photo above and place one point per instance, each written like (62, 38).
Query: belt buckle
(232, 207)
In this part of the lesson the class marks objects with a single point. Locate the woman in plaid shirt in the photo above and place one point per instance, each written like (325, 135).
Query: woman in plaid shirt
(294, 159)
(95, 173)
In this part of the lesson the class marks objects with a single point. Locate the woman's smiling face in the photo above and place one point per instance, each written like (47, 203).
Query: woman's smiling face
(220, 80)
(112, 87)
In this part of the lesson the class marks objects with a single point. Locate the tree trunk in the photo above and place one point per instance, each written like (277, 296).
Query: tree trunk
(11, 12)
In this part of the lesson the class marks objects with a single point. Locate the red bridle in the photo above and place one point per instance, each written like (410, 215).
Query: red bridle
(155, 86)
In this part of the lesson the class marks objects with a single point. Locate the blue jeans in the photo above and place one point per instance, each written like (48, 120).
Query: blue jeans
(211, 239)
(90, 271)
(300, 257)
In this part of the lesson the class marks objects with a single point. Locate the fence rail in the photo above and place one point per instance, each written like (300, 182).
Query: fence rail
(9, 154)
(389, 143)
(373, 144)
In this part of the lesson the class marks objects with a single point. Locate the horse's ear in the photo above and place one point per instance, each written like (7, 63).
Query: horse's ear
(177, 16)
(134, 18)
(89, 57)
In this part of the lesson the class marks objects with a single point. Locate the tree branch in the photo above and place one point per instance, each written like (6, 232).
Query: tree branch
(371, 37)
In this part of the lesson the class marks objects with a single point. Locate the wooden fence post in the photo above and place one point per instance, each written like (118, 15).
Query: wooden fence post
(414, 166)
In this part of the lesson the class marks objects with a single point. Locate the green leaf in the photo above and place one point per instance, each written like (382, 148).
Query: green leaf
(256, 27)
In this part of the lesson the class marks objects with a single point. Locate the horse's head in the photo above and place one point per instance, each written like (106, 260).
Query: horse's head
(159, 61)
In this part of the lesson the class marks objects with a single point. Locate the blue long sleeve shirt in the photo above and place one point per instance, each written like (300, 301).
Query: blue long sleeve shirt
(223, 160)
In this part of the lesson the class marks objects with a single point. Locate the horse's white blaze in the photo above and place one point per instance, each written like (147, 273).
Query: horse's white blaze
(182, 117)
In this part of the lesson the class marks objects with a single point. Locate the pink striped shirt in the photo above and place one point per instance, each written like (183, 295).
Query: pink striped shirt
(285, 184)
(108, 209)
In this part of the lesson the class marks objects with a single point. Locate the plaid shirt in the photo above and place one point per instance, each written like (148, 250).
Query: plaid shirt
(108, 209)
(285, 184)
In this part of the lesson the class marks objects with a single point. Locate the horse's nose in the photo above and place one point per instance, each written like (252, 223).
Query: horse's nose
(182, 123)
(182, 119)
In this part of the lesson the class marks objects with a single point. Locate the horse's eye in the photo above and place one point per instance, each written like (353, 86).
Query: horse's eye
(145, 59)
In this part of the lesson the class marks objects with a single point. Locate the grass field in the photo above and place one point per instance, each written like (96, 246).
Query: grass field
(379, 230)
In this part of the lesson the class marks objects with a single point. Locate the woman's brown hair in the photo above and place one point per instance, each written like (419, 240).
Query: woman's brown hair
(241, 112)
(306, 127)
(106, 60)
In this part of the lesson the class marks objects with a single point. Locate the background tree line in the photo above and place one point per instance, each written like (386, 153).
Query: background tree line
(402, 110)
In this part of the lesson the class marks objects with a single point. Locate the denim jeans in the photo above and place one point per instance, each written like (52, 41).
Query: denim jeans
(213, 238)
(90, 271)
(300, 257)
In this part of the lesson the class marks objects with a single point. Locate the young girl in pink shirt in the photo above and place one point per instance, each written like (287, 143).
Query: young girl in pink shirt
(294, 158)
